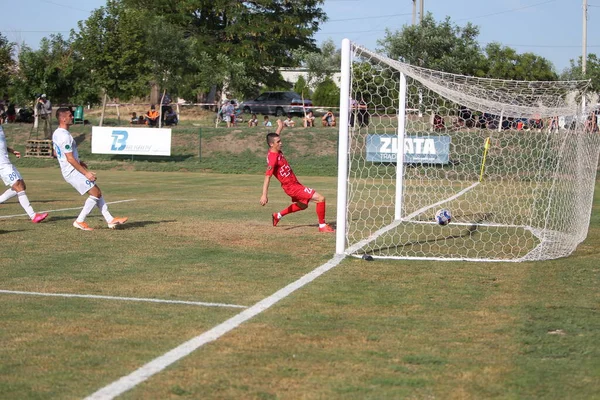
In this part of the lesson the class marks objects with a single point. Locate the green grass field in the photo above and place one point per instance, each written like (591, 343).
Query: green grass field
(363, 330)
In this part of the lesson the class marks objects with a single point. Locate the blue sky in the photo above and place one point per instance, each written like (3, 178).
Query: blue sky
(550, 28)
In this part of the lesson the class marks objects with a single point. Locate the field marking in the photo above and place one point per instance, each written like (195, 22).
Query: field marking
(93, 296)
(64, 209)
(138, 376)
(429, 207)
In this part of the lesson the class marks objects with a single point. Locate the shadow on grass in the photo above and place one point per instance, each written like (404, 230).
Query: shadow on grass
(128, 225)
(155, 159)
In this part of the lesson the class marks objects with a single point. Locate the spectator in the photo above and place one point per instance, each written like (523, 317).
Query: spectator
(309, 120)
(165, 106)
(11, 112)
(358, 110)
(289, 122)
(171, 117)
(553, 125)
(3, 115)
(44, 112)
(438, 123)
(253, 121)
(228, 113)
(134, 119)
(328, 119)
(141, 120)
(152, 116)
(266, 121)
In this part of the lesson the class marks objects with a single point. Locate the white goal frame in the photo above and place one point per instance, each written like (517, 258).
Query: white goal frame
(561, 209)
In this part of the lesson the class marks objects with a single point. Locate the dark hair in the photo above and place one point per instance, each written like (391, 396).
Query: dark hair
(271, 138)
(61, 111)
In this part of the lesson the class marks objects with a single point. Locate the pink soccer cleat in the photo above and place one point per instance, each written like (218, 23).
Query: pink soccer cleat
(39, 217)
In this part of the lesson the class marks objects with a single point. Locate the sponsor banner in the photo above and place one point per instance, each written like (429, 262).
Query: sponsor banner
(133, 141)
(417, 149)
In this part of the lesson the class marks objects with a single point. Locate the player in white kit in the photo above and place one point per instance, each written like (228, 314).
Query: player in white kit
(11, 177)
(76, 173)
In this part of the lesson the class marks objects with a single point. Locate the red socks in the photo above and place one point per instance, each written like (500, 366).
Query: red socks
(291, 209)
(321, 212)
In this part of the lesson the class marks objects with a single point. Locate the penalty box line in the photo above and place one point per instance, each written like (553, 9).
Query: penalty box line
(93, 296)
(140, 375)
(64, 209)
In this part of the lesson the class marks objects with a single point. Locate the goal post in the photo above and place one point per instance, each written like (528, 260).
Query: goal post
(412, 141)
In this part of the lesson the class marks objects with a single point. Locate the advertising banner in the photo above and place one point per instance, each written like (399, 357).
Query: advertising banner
(417, 149)
(131, 141)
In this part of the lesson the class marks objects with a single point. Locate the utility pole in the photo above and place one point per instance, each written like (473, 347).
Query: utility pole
(422, 8)
(584, 40)
(414, 15)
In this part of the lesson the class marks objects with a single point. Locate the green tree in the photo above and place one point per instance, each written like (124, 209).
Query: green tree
(322, 64)
(113, 43)
(327, 94)
(54, 69)
(301, 87)
(505, 63)
(592, 69)
(258, 35)
(441, 46)
(7, 63)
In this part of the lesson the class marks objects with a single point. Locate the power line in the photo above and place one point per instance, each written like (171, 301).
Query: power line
(506, 11)
(66, 6)
(363, 18)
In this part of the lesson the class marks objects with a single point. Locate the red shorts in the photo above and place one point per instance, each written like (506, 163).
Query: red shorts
(299, 193)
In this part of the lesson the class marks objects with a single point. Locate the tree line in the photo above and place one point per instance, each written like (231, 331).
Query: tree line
(191, 48)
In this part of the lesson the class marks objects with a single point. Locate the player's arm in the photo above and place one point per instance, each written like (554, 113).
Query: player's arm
(77, 165)
(13, 151)
(264, 199)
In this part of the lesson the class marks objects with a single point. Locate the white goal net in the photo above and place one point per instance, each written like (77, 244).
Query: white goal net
(514, 162)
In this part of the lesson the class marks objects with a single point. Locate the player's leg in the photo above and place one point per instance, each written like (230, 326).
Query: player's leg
(19, 187)
(11, 177)
(320, 208)
(294, 207)
(103, 207)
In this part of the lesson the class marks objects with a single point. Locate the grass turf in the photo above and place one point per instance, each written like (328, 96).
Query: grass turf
(384, 329)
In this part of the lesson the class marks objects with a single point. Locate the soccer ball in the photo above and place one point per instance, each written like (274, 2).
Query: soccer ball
(443, 217)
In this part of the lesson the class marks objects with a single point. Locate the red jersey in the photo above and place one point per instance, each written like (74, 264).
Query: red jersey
(278, 166)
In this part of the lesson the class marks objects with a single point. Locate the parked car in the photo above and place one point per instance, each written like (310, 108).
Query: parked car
(277, 103)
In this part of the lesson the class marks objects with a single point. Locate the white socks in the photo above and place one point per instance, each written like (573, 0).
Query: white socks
(25, 204)
(9, 194)
(89, 205)
(104, 209)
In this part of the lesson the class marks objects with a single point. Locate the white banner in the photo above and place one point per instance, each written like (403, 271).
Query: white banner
(134, 141)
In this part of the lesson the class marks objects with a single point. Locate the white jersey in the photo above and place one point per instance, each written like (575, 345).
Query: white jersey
(4, 160)
(64, 143)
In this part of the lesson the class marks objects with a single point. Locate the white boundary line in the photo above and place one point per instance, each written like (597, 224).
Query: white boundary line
(92, 296)
(64, 209)
(138, 376)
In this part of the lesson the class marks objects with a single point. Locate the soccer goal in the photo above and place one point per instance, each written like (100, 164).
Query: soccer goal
(514, 162)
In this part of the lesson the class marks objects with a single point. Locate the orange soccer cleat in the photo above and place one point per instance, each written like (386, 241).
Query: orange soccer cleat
(117, 221)
(82, 225)
(326, 228)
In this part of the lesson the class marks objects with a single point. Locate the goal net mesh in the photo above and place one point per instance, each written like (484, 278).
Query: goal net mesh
(513, 161)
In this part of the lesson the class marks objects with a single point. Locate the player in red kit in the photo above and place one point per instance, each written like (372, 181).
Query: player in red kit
(278, 166)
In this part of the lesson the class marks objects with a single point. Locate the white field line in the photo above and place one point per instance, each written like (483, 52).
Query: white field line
(92, 296)
(64, 209)
(429, 207)
(138, 376)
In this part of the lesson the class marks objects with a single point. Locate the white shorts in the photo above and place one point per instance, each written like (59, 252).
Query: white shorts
(79, 182)
(9, 174)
